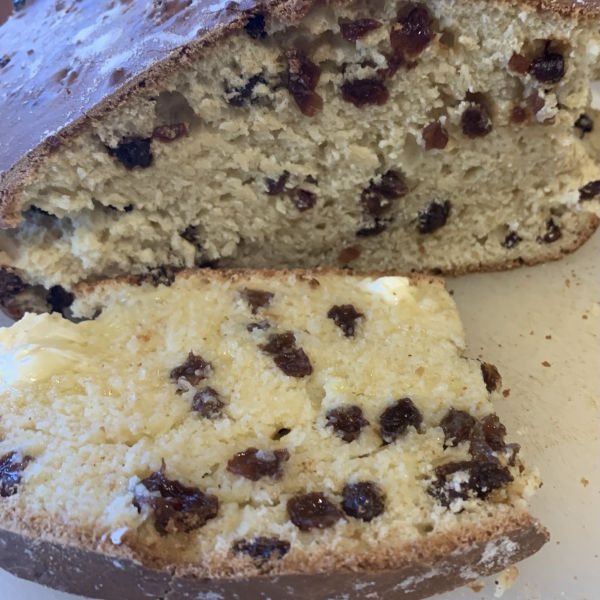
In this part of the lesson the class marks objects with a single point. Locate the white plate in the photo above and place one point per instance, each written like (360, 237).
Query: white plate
(551, 411)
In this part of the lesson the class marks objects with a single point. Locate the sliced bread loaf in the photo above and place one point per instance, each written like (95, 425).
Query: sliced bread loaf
(297, 435)
(448, 136)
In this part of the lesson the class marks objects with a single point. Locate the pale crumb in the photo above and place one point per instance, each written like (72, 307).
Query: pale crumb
(505, 581)
(595, 309)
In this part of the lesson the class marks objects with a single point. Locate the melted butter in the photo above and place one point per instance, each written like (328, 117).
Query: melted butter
(38, 347)
(391, 289)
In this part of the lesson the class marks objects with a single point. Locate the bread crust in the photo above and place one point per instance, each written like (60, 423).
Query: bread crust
(585, 233)
(86, 288)
(75, 561)
(62, 100)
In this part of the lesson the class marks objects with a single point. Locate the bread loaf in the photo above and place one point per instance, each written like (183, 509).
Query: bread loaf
(447, 137)
(297, 435)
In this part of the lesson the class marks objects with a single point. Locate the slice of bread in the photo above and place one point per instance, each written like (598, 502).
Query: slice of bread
(299, 435)
(445, 137)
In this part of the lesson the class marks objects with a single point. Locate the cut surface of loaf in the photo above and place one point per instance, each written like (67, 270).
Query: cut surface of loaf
(451, 136)
(301, 434)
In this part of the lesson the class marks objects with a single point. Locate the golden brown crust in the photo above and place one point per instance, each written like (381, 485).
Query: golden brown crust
(469, 552)
(67, 100)
(581, 238)
(85, 289)
(78, 571)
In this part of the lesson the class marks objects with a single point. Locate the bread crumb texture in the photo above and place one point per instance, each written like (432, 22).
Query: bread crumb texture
(102, 429)
(414, 141)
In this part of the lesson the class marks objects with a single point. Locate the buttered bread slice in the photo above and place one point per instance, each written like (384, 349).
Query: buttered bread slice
(245, 434)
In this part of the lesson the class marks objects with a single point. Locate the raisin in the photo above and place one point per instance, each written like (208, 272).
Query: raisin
(262, 325)
(390, 186)
(443, 489)
(553, 233)
(518, 64)
(363, 92)
(492, 431)
(476, 121)
(347, 422)
(349, 254)
(169, 133)
(275, 187)
(261, 549)
(535, 102)
(397, 418)
(280, 342)
(313, 511)
(549, 67)
(434, 216)
(375, 200)
(256, 298)
(59, 299)
(303, 199)
(10, 283)
(487, 477)
(208, 403)
(395, 61)
(245, 94)
(363, 500)
(286, 356)
(487, 439)
(178, 508)
(133, 152)
(491, 377)
(379, 226)
(254, 464)
(374, 204)
(482, 479)
(255, 27)
(294, 363)
(587, 192)
(359, 28)
(413, 33)
(517, 115)
(4, 60)
(456, 425)
(12, 466)
(585, 124)
(193, 370)
(435, 136)
(511, 240)
(344, 316)
(303, 77)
